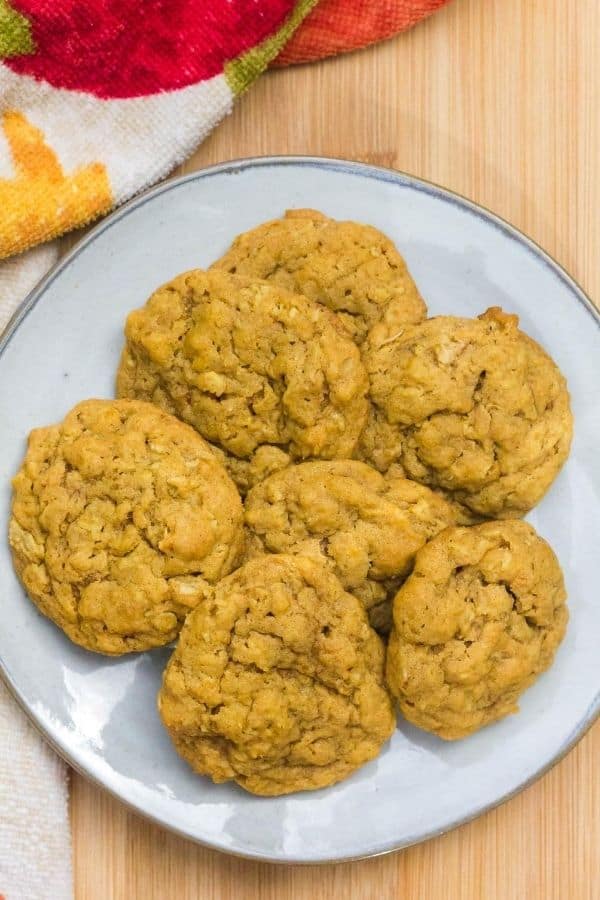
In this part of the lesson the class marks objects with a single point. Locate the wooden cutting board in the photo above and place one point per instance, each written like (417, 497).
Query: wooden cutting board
(498, 100)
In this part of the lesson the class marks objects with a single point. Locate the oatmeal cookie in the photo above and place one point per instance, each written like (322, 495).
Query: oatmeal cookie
(250, 366)
(121, 519)
(476, 622)
(473, 407)
(277, 680)
(353, 269)
(365, 527)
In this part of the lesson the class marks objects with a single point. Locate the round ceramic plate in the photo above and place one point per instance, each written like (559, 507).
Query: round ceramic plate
(100, 713)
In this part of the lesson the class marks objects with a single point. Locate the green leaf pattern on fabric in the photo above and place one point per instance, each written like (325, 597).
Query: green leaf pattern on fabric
(15, 32)
(241, 72)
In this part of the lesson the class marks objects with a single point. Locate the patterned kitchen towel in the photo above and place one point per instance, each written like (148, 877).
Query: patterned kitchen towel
(100, 99)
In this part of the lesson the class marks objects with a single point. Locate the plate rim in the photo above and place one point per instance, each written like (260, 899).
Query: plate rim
(349, 167)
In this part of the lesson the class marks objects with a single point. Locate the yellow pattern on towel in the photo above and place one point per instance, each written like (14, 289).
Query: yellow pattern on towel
(42, 201)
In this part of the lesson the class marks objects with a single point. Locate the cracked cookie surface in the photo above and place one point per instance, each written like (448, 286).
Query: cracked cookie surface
(365, 527)
(476, 622)
(277, 680)
(254, 368)
(353, 269)
(121, 519)
(472, 407)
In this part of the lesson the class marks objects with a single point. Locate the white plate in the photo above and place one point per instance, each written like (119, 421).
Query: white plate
(99, 713)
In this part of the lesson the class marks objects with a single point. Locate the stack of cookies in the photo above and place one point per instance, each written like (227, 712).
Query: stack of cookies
(317, 491)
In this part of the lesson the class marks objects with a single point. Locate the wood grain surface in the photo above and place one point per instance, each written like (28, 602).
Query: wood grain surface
(499, 100)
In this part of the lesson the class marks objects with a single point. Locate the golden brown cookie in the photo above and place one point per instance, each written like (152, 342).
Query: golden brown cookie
(353, 269)
(476, 622)
(365, 527)
(473, 407)
(250, 366)
(121, 518)
(277, 680)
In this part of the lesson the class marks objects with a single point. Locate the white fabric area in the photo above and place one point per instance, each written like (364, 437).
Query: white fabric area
(139, 140)
(35, 840)
(19, 274)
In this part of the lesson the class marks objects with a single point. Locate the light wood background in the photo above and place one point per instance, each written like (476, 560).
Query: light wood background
(499, 100)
